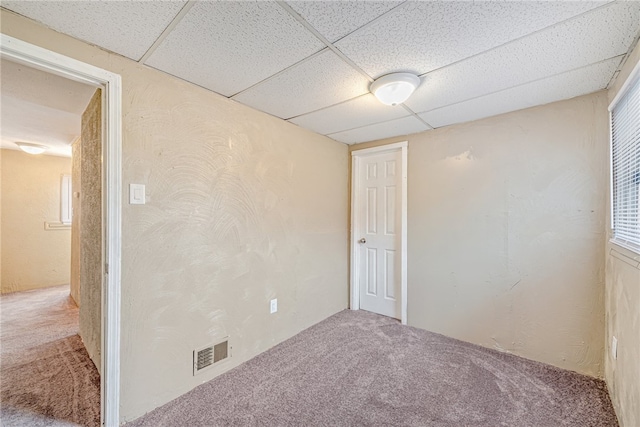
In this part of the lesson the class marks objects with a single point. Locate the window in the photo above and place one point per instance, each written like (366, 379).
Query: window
(625, 172)
(65, 200)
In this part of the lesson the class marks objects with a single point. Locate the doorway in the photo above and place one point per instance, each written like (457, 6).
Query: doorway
(379, 230)
(56, 365)
(33, 56)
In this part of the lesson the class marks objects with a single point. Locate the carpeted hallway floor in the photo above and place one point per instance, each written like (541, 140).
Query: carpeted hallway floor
(361, 369)
(46, 376)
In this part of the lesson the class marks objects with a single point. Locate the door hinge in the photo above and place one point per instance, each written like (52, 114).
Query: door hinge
(106, 268)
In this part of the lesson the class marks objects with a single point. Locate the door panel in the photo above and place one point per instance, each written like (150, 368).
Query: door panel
(372, 211)
(379, 194)
(389, 269)
(390, 207)
(372, 271)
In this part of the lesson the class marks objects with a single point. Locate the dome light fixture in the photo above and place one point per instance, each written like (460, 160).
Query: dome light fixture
(395, 88)
(27, 147)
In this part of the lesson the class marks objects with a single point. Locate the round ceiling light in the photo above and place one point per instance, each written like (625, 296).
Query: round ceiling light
(394, 89)
(27, 147)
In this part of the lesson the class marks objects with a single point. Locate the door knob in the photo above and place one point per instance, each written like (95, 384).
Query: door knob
(363, 240)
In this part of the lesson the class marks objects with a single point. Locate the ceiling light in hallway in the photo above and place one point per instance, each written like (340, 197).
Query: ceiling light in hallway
(32, 148)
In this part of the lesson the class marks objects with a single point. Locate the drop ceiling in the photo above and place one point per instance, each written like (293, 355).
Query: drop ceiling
(40, 108)
(311, 62)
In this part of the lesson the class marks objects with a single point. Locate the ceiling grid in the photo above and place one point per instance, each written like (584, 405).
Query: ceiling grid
(175, 21)
(311, 62)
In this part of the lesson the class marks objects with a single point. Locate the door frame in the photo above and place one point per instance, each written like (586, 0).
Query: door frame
(354, 284)
(111, 84)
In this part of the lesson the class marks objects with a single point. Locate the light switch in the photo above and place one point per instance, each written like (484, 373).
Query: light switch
(136, 194)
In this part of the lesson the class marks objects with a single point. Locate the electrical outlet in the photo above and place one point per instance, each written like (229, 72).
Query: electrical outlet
(274, 305)
(614, 347)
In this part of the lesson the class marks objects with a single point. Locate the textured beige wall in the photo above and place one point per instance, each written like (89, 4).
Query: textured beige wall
(1, 151)
(91, 228)
(505, 232)
(241, 208)
(623, 311)
(32, 257)
(76, 153)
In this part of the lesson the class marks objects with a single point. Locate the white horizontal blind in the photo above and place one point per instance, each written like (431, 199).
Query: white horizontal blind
(625, 139)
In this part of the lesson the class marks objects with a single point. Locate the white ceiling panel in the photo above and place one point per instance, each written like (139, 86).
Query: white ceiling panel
(358, 112)
(229, 46)
(563, 86)
(125, 27)
(403, 126)
(593, 37)
(313, 84)
(336, 19)
(422, 36)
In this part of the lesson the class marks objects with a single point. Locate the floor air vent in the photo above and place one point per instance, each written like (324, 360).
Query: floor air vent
(209, 356)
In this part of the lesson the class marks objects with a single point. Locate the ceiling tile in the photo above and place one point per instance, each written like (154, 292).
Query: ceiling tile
(563, 86)
(336, 19)
(423, 36)
(316, 83)
(358, 112)
(228, 46)
(593, 37)
(397, 127)
(125, 27)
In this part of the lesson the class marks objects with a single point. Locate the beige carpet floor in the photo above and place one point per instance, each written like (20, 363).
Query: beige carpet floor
(361, 369)
(46, 376)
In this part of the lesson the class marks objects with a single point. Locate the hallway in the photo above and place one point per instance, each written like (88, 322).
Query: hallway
(46, 376)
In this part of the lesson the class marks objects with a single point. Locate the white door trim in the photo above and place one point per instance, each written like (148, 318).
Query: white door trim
(354, 284)
(55, 63)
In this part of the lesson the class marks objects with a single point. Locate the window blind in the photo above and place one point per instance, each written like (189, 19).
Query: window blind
(625, 151)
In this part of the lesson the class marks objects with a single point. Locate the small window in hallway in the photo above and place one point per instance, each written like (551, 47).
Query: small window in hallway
(65, 200)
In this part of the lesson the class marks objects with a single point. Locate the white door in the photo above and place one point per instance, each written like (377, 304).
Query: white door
(378, 232)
